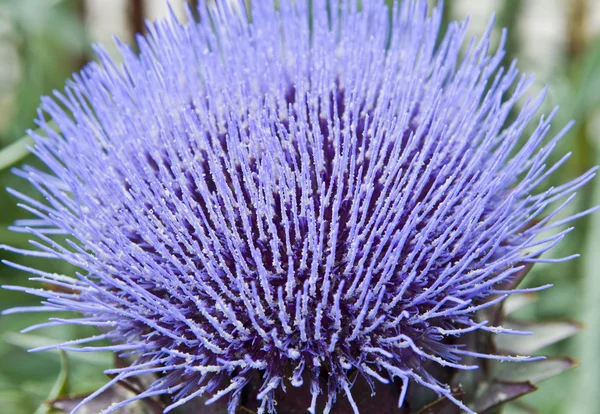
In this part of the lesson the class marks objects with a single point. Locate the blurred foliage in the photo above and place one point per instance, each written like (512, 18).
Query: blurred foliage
(43, 41)
(36, 58)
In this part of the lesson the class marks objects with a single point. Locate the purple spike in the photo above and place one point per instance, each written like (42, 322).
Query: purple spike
(286, 197)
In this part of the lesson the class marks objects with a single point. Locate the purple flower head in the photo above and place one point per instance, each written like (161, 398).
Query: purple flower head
(305, 193)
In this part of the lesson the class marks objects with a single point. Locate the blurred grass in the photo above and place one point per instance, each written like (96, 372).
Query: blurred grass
(45, 56)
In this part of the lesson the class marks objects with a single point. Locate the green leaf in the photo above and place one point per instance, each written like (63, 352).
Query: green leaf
(521, 408)
(442, 406)
(17, 151)
(494, 314)
(584, 386)
(499, 393)
(516, 279)
(14, 152)
(533, 372)
(515, 302)
(544, 334)
(61, 386)
(24, 341)
(113, 395)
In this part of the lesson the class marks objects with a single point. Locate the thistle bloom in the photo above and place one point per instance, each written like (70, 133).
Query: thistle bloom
(305, 193)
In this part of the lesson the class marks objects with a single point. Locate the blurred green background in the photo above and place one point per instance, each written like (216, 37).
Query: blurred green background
(43, 41)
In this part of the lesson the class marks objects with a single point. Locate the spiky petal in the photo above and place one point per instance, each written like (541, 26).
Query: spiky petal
(310, 192)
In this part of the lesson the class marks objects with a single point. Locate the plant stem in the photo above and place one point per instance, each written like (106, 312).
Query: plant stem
(14, 152)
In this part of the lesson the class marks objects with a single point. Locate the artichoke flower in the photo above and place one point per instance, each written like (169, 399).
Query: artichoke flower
(312, 206)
